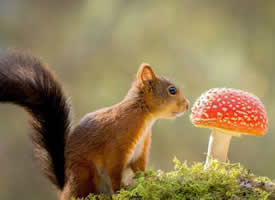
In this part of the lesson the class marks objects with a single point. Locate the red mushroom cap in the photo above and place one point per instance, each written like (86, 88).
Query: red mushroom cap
(234, 112)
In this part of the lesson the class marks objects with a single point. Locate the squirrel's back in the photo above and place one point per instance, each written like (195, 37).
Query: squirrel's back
(27, 82)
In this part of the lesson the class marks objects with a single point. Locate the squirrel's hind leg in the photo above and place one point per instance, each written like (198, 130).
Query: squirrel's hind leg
(104, 184)
(80, 183)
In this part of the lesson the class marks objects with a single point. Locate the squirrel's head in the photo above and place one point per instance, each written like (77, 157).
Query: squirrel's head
(161, 97)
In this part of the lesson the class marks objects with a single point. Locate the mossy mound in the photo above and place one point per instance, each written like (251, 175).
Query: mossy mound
(219, 182)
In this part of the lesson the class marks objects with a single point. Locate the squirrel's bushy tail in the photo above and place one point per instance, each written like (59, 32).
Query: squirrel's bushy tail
(25, 81)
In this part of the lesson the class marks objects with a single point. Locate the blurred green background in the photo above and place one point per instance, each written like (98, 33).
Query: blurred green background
(96, 47)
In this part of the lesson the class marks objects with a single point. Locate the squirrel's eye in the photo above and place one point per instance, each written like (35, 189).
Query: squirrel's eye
(172, 90)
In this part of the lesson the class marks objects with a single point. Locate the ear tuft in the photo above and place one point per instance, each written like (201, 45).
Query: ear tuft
(145, 73)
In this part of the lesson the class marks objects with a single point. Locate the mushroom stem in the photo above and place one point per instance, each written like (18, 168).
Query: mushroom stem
(218, 146)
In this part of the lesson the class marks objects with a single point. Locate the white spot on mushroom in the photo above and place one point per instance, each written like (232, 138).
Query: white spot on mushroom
(224, 109)
(243, 123)
(241, 112)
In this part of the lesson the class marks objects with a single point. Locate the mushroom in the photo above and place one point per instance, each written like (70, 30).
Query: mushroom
(228, 112)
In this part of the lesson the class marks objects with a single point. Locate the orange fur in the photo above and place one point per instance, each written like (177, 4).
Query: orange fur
(113, 139)
(105, 144)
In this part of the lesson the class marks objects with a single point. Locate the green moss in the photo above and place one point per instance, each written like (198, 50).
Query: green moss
(219, 181)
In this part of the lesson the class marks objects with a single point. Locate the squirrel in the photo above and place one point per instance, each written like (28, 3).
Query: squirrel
(94, 156)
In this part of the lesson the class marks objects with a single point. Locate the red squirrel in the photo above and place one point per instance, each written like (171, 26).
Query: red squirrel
(93, 156)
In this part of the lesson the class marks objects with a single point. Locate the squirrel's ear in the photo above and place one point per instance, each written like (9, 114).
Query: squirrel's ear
(145, 73)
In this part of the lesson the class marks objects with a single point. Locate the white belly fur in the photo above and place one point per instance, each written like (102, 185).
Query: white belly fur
(127, 177)
(135, 154)
(138, 149)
